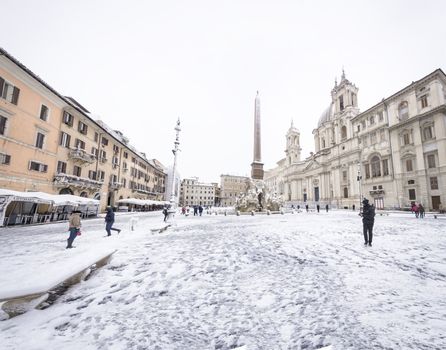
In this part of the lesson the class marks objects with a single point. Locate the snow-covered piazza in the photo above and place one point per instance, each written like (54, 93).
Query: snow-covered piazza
(293, 281)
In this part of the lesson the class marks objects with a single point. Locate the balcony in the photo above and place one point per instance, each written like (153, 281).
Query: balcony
(376, 192)
(64, 180)
(114, 186)
(81, 156)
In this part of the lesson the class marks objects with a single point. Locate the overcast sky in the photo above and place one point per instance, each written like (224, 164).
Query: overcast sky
(140, 65)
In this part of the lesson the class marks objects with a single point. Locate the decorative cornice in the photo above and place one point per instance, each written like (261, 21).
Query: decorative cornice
(439, 109)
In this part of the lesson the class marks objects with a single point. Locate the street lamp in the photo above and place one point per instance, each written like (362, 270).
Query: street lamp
(359, 178)
(173, 204)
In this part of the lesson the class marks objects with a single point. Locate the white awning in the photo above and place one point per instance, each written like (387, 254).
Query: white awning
(55, 199)
(137, 201)
(24, 196)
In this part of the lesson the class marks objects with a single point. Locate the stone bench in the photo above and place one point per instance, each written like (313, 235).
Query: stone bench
(16, 303)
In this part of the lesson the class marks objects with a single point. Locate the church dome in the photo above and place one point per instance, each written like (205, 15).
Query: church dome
(327, 115)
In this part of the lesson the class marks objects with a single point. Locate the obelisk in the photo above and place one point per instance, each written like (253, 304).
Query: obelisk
(257, 165)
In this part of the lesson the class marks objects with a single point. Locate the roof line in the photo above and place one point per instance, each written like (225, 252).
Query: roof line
(438, 70)
(76, 105)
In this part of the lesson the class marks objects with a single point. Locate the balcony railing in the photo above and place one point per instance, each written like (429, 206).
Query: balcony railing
(64, 180)
(81, 155)
(376, 192)
(115, 185)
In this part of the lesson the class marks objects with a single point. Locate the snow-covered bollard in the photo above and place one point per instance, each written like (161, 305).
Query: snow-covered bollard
(252, 213)
(238, 213)
(268, 212)
(133, 223)
(225, 213)
(282, 212)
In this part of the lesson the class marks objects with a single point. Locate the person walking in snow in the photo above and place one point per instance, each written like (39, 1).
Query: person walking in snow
(166, 214)
(318, 207)
(368, 219)
(200, 210)
(109, 221)
(421, 210)
(306, 207)
(414, 209)
(74, 227)
(326, 207)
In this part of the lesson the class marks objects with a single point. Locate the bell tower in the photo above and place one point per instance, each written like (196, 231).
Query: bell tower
(344, 95)
(293, 148)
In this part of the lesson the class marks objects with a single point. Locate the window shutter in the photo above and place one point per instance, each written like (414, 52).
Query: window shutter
(2, 124)
(15, 95)
(2, 83)
(7, 159)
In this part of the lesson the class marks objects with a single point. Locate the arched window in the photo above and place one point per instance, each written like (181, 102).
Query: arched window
(84, 194)
(97, 196)
(65, 191)
(345, 192)
(344, 132)
(403, 110)
(376, 166)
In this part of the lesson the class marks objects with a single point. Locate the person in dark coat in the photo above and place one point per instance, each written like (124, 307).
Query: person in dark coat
(306, 207)
(200, 210)
(368, 219)
(421, 210)
(326, 207)
(166, 214)
(109, 221)
(195, 210)
(318, 207)
(74, 227)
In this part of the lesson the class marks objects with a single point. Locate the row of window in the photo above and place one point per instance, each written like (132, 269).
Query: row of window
(201, 192)
(372, 137)
(99, 176)
(196, 197)
(371, 121)
(5, 159)
(427, 134)
(403, 107)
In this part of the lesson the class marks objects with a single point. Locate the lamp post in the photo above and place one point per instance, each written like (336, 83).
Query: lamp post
(173, 204)
(359, 178)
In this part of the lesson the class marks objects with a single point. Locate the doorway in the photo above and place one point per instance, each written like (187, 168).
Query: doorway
(435, 202)
(316, 194)
(379, 203)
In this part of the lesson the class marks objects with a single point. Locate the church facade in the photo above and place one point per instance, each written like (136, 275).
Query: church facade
(394, 153)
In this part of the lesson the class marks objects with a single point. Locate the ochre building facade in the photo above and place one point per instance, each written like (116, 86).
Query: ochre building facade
(50, 143)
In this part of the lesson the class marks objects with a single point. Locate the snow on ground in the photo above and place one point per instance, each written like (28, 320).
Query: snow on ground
(294, 281)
